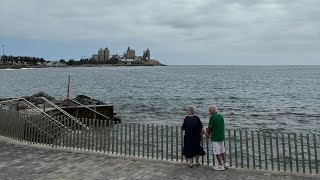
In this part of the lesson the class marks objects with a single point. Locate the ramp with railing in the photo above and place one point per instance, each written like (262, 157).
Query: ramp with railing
(44, 127)
(36, 118)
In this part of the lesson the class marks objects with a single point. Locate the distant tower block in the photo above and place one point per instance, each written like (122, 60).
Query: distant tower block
(148, 54)
(106, 54)
(131, 54)
(103, 55)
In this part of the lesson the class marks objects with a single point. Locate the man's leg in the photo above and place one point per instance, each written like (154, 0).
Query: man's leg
(220, 167)
(216, 151)
(219, 159)
(224, 157)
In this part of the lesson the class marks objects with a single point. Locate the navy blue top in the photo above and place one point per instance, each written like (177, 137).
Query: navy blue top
(192, 127)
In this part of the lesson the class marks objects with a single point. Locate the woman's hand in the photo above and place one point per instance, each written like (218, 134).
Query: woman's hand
(206, 135)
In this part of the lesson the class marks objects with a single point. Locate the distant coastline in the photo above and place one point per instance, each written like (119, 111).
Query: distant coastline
(101, 65)
(82, 65)
(101, 59)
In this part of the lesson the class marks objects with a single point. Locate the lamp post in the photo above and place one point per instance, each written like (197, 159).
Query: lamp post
(2, 57)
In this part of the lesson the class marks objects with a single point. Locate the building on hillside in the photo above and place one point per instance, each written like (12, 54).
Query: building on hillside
(95, 57)
(138, 58)
(130, 53)
(146, 55)
(54, 64)
(103, 55)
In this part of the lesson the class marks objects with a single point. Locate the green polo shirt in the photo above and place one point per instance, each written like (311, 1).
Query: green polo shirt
(216, 122)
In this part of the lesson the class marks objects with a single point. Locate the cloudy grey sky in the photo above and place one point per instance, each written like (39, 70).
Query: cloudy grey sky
(176, 31)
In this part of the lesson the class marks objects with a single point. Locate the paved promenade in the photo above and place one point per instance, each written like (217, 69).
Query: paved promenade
(21, 161)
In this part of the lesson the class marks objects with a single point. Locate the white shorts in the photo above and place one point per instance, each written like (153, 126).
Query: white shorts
(218, 147)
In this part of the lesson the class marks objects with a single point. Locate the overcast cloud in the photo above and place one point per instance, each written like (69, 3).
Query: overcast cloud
(176, 31)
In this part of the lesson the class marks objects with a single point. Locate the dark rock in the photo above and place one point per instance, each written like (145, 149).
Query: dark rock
(26, 97)
(4, 99)
(34, 97)
(85, 100)
(116, 118)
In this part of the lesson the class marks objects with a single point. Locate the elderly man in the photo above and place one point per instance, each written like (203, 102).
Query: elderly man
(216, 128)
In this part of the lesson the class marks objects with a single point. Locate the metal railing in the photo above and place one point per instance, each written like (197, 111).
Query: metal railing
(63, 111)
(269, 150)
(32, 110)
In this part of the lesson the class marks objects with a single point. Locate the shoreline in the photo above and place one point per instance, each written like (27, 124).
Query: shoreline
(83, 65)
(110, 65)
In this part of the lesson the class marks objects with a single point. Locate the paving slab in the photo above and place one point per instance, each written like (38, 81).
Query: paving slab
(24, 161)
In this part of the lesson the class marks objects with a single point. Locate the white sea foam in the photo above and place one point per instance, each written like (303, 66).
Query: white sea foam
(8, 69)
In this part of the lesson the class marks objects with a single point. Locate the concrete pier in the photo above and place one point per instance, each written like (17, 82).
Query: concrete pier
(24, 161)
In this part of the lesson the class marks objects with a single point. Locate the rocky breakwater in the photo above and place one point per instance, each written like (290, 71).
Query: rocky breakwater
(71, 107)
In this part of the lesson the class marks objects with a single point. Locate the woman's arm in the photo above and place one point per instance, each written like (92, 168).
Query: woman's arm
(183, 124)
(204, 132)
(202, 129)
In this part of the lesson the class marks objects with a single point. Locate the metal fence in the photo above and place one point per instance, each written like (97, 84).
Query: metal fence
(269, 150)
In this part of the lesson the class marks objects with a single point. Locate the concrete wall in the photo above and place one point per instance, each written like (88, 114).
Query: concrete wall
(82, 112)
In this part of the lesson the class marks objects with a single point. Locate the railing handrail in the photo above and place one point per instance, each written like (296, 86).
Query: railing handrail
(29, 104)
(33, 106)
(82, 105)
(63, 111)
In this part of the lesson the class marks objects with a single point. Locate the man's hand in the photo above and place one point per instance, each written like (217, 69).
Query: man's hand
(207, 135)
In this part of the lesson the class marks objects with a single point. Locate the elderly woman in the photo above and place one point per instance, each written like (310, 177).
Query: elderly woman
(192, 137)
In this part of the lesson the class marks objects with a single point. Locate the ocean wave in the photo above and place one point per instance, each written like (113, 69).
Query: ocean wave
(8, 69)
(28, 68)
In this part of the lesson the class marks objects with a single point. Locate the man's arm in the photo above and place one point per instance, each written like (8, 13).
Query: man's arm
(210, 126)
(209, 130)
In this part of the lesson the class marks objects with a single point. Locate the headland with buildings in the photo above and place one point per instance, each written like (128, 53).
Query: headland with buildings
(129, 57)
(103, 57)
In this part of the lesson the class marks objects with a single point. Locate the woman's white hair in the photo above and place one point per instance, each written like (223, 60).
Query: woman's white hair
(192, 109)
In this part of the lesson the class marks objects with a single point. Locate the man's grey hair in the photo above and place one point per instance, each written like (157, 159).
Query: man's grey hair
(213, 107)
(192, 109)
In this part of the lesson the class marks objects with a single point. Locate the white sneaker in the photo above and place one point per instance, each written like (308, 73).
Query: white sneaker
(226, 165)
(219, 168)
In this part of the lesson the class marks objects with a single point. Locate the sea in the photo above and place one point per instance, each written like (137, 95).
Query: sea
(285, 98)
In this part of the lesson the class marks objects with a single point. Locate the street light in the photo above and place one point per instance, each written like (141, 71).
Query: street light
(2, 57)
